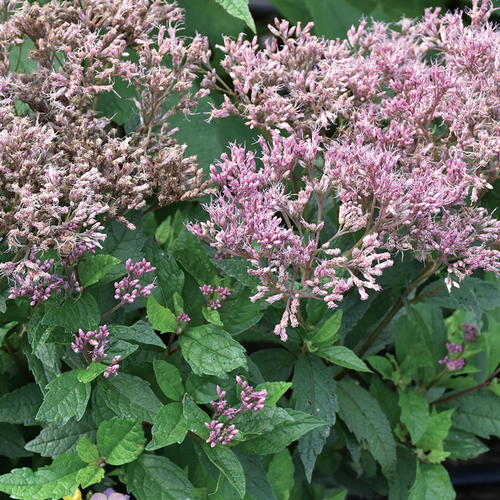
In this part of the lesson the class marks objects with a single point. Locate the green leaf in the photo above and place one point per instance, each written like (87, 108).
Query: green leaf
(74, 314)
(406, 470)
(161, 318)
(139, 332)
(327, 335)
(382, 365)
(437, 429)
(432, 482)
(12, 442)
(203, 389)
(343, 356)
(212, 316)
(238, 268)
(463, 445)
(211, 350)
(118, 104)
(189, 251)
(274, 391)
(95, 267)
(363, 416)
(170, 427)
(67, 396)
(387, 399)
(169, 278)
(414, 412)
(477, 412)
(169, 379)
(55, 440)
(155, 477)
(195, 417)
(227, 462)
(239, 9)
(241, 314)
(314, 391)
(92, 474)
(93, 371)
(280, 433)
(129, 397)
(258, 485)
(4, 330)
(280, 474)
(87, 451)
(274, 364)
(54, 481)
(120, 441)
(21, 405)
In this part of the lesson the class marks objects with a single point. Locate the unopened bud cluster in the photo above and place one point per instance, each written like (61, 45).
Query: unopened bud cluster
(92, 345)
(129, 288)
(454, 360)
(224, 432)
(212, 302)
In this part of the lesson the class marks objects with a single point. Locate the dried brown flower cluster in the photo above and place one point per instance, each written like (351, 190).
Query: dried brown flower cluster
(61, 163)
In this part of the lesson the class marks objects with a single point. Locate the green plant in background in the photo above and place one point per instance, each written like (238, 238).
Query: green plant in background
(326, 322)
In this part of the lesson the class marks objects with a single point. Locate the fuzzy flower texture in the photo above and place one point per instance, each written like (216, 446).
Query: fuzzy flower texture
(64, 165)
(372, 146)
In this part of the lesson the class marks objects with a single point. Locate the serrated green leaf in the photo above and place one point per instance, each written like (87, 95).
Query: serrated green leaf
(55, 440)
(227, 462)
(139, 332)
(257, 482)
(129, 397)
(95, 267)
(120, 440)
(314, 391)
(93, 371)
(381, 365)
(195, 417)
(12, 443)
(169, 278)
(437, 456)
(87, 451)
(432, 482)
(170, 427)
(239, 9)
(67, 396)
(155, 477)
(343, 356)
(242, 313)
(463, 445)
(161, 318)
(4, 330)
(280, 474)
(203, 388)
(327, 335)
(477, 412)
(169, 379)
(212, 316)
(438, 427)
(274, 391)
(274, 364)
(364, 417)
(21, 405)
(92, 474)
(238, 268)
(406, 470)
(414, 412)
(280, 433)
(54, 481)
(74, 314)
(211, 350)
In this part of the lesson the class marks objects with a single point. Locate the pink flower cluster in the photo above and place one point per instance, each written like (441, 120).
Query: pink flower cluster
(208, 292)
(454, 360)
(224, 432)
(380, 144)
(129, 288)
(92, 345)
